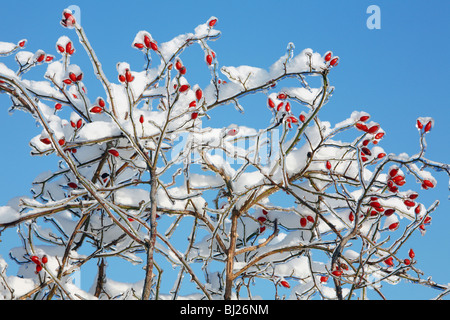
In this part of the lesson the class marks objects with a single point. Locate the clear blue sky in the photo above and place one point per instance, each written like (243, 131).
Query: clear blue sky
(396, 73)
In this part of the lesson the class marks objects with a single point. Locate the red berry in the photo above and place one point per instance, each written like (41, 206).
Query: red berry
(379, 135)
(413, 195)
(48, 58)
(418, 209)
(67, 81)
(285, 284)
(178, 65)
(44, 259)
(419, 124)
(366, 151)
(38, 268)
(198, 94)
(328, 56)
(381, 155)
(361, 127)
(101, 102)
(128, 76)
(141, 119)
(337, 273)
(72, 77)
(334, 62)
(389, 261)
(303, 222)
(364, 118)
(351, 217)
(58, 106)
(373, 129)
(264, 211)
(69, 47)
(428, 183)
(394, 226)
(184, 88)
(411, 253)
(393, 172)
(375, 204)
(113, 152)
(310, 219)
(154, 46)
(194, 115)
(407, 262)
(183, 70)
(262, 219)
(328, 165)
(41, 58)
(409, 203)
(79, 123)
(271, 103)
(35, 259)
(192, 104)
(287, 107)
(398, 179)
(147, 41)
(427, 220)
(428, 126)
(389, 212)
(302, 118)
(61, 142)
(262, 229)
(72, 185)
(212, 22)
(121, 78)
(282, 96)
(22, 43)
(139, 45)
(96, 109)
(323, 279)
(209, 59)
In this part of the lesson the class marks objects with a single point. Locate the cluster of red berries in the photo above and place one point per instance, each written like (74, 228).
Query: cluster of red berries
(126, 77)
(427, 127)
(73, 78)
(99, 106)
(304, 221)
(330, 60)
(47, 141)
(211, 55)
(39, 262)
(67, 49)
(407, 261)
(261, 220)
(375, 135)
(180, 67)
(41, 56)
(193, 103)
(278, 103)
(146, 43)
(68, 19)
(376, 208)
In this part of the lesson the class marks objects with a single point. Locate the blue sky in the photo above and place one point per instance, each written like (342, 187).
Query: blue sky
(396, 74)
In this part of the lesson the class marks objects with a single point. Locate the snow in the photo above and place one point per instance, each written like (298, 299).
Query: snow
(8, 214)
(6, 48)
